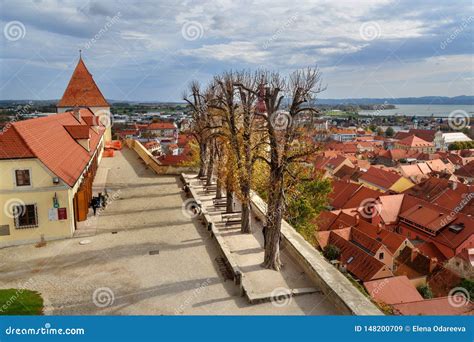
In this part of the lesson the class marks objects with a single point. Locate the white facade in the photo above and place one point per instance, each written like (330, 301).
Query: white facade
(442, 140)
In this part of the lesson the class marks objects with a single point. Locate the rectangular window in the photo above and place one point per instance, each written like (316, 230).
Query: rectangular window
(26, 216)
(380, 255)
(22, 177)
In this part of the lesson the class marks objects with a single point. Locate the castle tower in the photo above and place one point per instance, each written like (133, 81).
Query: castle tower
(82, 91)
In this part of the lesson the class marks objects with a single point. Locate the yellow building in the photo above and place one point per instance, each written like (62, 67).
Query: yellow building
(47, 167)
(384, 180)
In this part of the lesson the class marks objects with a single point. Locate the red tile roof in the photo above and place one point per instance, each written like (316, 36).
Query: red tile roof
(361, 264)
(430, 250)
(49, 141)
(345, 172)
(466, 171)
(425, 134)
(389, 208)
(414, 141)
(78, 131)
(13, 146)
(391, 240)
(161, 125)
(435, 306)
(335, 162)
(381, 178)
(428, 215)
(82, 90)
(444, 236)
(361, 196)
(341, 193)
(393, 290)
(428, 189)
(365, 241)
(328, 220)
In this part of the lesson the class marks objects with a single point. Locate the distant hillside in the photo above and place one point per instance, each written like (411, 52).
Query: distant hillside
(457, 100)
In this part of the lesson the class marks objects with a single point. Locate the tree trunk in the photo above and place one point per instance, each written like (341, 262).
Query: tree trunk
(219, 188)
(273, 221)
(246, 217)
(210, 166)
(229, 201)
(202, 160)
(230, 192)
(246, 209)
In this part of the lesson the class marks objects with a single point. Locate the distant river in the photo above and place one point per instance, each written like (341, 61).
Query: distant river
(421, 110)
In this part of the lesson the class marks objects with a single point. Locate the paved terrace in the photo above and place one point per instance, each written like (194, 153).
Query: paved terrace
(183, 275)
(247, 253)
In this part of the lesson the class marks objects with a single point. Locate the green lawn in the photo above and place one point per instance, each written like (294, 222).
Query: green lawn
(20, 302)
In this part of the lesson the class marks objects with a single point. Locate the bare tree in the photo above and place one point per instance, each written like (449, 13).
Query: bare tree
(235, 98)
(286, 136)
(201, 122)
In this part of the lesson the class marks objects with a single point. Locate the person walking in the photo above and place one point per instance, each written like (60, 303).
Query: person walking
(95, 204)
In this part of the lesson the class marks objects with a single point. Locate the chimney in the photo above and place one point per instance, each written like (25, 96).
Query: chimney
(357, 218)
(380, 227)
(414, 254)
(454, 185)
(433, 263)
(77, 113)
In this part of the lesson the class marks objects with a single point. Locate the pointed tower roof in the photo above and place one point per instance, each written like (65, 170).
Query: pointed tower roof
(82, 91)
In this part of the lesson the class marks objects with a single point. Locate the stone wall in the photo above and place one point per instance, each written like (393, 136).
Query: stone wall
(347, 298)
(153, 163)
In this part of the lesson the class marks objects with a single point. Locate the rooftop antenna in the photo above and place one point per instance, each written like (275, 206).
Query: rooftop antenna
(80, 54)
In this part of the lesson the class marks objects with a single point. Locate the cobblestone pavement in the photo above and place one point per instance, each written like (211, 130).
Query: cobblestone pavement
(145, 257)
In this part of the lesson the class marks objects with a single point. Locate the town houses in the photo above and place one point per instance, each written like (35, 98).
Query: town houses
(399, 216)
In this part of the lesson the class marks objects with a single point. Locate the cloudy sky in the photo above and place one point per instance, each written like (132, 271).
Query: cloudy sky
(150, 50)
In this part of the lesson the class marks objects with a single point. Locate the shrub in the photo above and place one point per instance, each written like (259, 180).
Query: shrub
(332, 252)
(425, 291)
